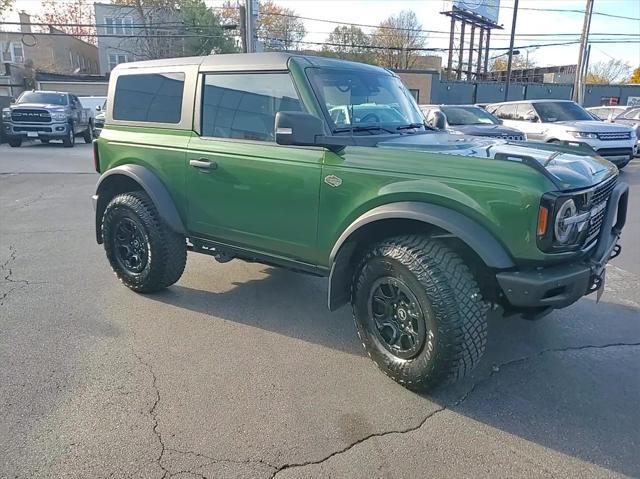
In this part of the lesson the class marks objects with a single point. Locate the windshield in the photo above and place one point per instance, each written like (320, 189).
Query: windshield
(50, 98)
(468, 115)
(358, 99)
(561, 111)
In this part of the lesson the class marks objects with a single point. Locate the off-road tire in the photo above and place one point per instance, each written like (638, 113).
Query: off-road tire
(167, 250)
(15, 142)
(88, 135)
(69, 141)
(449, 297)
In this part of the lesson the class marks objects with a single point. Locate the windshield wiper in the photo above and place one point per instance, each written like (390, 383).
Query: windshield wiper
(369, 128)
(410, 126)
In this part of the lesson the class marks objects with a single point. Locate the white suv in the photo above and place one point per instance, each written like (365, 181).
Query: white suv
(564, 120)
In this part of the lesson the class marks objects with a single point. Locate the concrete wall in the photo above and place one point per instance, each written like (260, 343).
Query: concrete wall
(418, 81)
(78, 88)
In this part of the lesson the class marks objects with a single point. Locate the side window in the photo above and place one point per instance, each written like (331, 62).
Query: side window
(153, 97)
(524, 111)
(244, 106)
(506, 112)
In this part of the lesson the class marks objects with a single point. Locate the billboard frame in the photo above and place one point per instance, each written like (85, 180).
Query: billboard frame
(485, 26)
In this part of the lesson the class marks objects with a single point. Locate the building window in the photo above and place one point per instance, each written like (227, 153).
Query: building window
(116, 59)
(118, 26)
(11, 52)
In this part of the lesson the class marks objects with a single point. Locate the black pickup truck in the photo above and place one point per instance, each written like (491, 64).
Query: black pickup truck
(47, 115)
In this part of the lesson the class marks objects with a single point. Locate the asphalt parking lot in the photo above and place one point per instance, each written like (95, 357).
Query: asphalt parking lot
(239, 370)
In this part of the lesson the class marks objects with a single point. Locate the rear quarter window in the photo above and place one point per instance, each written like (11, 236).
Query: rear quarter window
(149, 97)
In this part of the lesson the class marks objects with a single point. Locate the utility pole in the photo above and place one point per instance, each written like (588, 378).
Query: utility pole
(510, 63)
(251, 17)
(578, 84)
(243, 27)
(450, 61)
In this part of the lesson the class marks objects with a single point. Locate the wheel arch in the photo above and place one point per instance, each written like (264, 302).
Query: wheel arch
(475, 240)
(132, 178)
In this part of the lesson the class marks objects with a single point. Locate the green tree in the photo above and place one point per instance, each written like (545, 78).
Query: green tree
(399, 39)
(349, 43)
(198, 19)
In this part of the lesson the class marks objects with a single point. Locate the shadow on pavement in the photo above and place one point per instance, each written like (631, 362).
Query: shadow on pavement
(569, 382)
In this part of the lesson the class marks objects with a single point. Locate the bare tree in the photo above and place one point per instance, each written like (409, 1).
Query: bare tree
(5, 6)
(398, 40)
(157, 23)
(612, 71)
(62, 14)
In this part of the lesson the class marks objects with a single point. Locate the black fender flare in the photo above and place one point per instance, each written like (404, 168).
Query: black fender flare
(150, 183)
(476, 236)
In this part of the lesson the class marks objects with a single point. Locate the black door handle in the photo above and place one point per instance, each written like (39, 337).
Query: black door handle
(203, 164)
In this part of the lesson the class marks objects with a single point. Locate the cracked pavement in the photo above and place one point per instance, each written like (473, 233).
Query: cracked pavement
(239, 371)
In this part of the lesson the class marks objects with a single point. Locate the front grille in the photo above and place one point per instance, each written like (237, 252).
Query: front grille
(509, 137)
(600, 195)
(605, 152)
(28, 115)
(618, 135)
(44, 129)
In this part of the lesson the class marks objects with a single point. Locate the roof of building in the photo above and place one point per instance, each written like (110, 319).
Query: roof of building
(251, 62)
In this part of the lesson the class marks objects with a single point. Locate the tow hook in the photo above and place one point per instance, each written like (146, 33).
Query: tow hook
(615, 252)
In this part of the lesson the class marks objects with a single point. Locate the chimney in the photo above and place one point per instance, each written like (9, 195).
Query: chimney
(25, 22)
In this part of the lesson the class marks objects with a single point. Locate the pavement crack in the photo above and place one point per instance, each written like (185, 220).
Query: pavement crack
(496, 368)
(154, 415)
(212, 460)
(358, 442)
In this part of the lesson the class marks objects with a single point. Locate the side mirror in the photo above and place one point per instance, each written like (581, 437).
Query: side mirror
(297, 128)
(12, 100)
(98, 108)
(439, 121)
(531, 118)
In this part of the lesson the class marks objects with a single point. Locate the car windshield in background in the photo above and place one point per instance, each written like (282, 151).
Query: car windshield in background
(468, 115)
(42, 97)
(561, 111)
(358, 100)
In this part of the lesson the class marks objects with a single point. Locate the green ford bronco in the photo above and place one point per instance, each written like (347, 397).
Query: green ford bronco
(326, 167)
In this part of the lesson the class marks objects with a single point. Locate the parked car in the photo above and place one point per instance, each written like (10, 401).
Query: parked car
(47, 115)
(99, 118)
(631, 118)
(421, 231)
(468, 120)
(556, 121)
(93, 104)
(607, 112)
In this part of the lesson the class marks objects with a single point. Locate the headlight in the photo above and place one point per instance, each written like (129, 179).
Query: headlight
(6, 114)
(561, 224)
(584, 134)
(59, 116)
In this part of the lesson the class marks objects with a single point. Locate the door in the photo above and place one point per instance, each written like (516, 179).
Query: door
(529, 122)
(244, 189)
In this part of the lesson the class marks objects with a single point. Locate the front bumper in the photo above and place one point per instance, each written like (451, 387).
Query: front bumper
(36, 130)
(561, 285)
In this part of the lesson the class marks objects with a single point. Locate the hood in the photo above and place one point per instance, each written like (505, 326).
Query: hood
(569, 169)
(486, 130)
(46, 106)
(591, 126)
